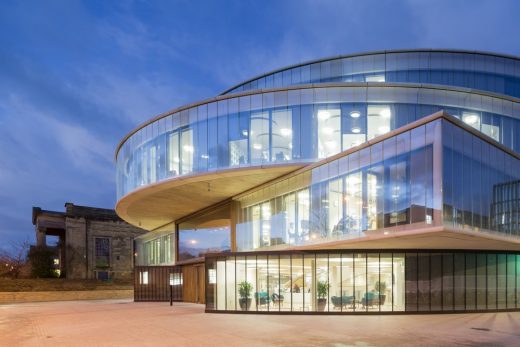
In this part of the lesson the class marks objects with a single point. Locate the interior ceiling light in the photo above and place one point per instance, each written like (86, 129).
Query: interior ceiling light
(323, 114)
(257, 146)
(355, 114)
(384, 129)
(470, 118)
(385, 113)
(356, 130)
(244, 132)
(286, 132)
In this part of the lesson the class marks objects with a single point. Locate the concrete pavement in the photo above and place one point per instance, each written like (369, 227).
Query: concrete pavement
(125, 323)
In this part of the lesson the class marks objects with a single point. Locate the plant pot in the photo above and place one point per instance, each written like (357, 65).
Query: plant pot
(321, 304)
(382, 299)
(245, 304)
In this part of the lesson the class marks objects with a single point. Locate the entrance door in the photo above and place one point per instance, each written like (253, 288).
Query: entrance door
(193, 283)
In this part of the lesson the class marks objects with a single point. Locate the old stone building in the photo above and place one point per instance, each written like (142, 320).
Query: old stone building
(94, 243)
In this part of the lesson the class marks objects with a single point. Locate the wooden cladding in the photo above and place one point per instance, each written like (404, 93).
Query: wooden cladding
(152, 283)
(193, 284)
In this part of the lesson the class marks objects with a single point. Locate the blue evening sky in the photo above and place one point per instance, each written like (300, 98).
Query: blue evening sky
(76, 76)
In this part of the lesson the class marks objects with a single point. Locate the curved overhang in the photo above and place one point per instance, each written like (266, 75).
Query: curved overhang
(155, 205)
(364, 54)
(311, 86)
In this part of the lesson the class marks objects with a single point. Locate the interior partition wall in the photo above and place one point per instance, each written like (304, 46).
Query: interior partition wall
(363, 281)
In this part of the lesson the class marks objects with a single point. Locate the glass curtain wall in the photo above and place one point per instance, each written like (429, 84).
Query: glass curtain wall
(295, 126)
(387, 186)
(353, 282)
(470, 70)
(481, 183)
(156, 248)
(209, 232)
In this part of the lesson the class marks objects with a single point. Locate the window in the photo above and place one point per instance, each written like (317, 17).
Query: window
(102, 257)
(282, 135)
(143, 277)
(329, 132)
(379, 120)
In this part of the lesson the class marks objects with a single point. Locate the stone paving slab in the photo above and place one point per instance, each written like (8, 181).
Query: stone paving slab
(125, 323)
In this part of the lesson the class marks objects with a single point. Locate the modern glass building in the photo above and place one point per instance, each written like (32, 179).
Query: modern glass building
(369, 183)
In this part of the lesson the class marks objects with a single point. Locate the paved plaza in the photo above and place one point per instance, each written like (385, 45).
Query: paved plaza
(125, 323)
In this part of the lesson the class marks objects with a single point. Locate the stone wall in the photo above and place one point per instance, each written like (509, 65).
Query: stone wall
(18, 297)
(80, 247)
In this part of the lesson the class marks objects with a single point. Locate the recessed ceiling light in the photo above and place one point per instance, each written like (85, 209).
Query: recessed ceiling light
(323, 114)
(470, 118)
(286, 132)
(257, 146)
(244, 132)
(356, 130)
(355, 114)
(385, 113)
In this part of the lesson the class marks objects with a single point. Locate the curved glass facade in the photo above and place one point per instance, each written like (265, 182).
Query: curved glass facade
(293, 126)
(473, 70)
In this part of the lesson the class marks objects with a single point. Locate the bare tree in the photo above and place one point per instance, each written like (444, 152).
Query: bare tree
(13, 261)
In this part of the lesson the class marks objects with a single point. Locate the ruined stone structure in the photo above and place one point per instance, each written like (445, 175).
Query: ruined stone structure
(94, 243)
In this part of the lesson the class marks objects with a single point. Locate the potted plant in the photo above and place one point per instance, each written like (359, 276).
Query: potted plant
(323, 290)
(381, 288)
(244, 291)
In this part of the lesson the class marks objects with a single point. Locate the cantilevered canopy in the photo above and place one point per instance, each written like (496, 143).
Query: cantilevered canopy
(158, 204)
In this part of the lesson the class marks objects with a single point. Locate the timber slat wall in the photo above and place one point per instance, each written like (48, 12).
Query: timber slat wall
(158, 287)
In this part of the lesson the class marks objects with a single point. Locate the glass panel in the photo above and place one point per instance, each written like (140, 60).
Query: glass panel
(230, 284)
(501, 281)
(274, 282)
(481, 281)
(187, 151)
(297, 283)
(173, 154)
(436, 281)
(243, 295)
(373, 297)
(259, 137)
(309, 285)
(348, 298)
(491, 281)
(360, 282)
(335, 297)
(378, 120)
(206, 233)
(411, 281)
(471, 280)
(322, 285)
(221, 284)
(282, 135)
(329, 131)
(459, 281)
(447, 282)
(251, 276)
(285, 283)
(262, 297)
(423, 284)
